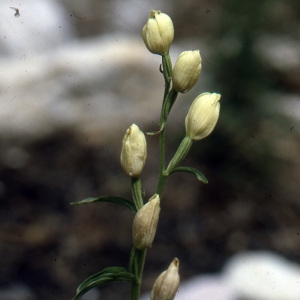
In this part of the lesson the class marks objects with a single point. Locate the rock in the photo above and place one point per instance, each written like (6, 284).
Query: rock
(248, 275)
(208, 287)
(38, 26)
(92, 86)
(263, 276)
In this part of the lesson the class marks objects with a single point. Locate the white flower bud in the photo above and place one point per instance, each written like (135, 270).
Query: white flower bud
(186, 71)
(202, 116)
(134, 151)
(145, 223)
(158, 33)
(167, 283)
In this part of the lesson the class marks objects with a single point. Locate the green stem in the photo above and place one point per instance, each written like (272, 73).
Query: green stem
(137, 261)
(138, 257)
(137, 192)
(162, 178)
(167, 69)
(142, 257)
(180, 154)
(168, 101)
(168, 104)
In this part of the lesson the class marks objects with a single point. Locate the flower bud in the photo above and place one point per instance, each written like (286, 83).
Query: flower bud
(186, 71)
(167, 283)
(202, 116)
(145, 223)
(158, 33)
(134, 151)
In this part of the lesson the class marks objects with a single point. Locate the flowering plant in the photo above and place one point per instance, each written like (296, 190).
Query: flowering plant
(158, 34)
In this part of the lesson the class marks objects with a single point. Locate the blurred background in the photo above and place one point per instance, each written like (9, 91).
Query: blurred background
(75, 75)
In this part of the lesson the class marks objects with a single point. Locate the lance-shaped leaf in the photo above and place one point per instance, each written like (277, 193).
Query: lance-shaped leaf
(107, 275)
(113, 199)
(199, 175)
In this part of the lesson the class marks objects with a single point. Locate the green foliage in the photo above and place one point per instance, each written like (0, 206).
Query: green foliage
(107, 275)
(193, 171)
(113, 199)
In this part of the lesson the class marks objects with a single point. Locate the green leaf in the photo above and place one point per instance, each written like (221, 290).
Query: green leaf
(107, 275)
(114, 199)
(199, 175)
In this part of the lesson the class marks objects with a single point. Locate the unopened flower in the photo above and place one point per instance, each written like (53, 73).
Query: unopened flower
(158, 33)
(202, 116)
(167, 283)
(134, 151)
(186, 71)
(145, 223)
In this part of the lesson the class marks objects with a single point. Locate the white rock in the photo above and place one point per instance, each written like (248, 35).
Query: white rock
(92, 86)
(41, 26)
(249, 275)
(206, 287)
(263, 276)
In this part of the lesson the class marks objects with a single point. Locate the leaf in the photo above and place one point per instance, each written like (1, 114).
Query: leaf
(199, 175)
(107, 275)
(114, 199)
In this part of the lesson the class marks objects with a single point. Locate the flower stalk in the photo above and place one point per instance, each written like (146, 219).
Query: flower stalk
(179, 155)
(158, 35)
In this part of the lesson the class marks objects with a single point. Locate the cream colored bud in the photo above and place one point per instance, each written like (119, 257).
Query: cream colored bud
(158, 33)
(145, 223)
(202, 116)
(167, 283)
(134, 151)
(186, 71)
